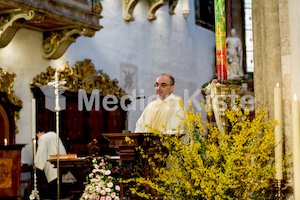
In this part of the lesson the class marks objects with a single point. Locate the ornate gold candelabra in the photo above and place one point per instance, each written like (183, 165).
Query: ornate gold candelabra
(279, 185)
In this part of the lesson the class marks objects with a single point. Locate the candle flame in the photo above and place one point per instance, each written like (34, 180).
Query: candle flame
(277, 84)
(295, 96)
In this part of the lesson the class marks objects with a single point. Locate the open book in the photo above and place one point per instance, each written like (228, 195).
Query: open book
(64, 156)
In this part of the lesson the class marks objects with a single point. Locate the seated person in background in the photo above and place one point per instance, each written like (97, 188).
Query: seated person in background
(46, 147)
(165, 110)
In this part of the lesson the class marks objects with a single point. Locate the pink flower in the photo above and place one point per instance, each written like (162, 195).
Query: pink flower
(91, 197)
(101, 164)
(108, 172)
(86, 196)
(117, 187)
(100, 184)
(97, 197)
(94, 170)
(97, 176)
(107, 189)
(113, 195)
(117, 198)
(93, 180)
(108, 198)
(214, 80)
(91, 174)
(102, 170)
(110, 184)
(98, 189)
(103, 192)
(102, 198)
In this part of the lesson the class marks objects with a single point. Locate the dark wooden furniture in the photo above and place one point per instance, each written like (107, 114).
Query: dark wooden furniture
(124, 164)
(130, 160)
(79, 168)
(10, 167)
(10, 153)
(79, 127)
(27, 168)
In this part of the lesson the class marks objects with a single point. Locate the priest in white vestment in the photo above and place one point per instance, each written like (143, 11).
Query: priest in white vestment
(46, 147)
(165, 113)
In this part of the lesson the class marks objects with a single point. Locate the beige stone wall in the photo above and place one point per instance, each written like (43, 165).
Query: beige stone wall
(272, 62)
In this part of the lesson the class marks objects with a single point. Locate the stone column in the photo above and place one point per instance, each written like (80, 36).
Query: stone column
(272, 62)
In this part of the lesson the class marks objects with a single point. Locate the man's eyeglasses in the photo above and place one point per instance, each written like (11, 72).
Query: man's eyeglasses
(163, 85)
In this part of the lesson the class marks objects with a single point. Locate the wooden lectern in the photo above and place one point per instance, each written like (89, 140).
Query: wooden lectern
(123, 167)
(129, 156)
(10, 167)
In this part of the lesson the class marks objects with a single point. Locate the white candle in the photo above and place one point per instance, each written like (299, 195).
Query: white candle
(33, 122)
(296, 147)
(5, 142)
(34, 147)
(278, 132)
(185, 8)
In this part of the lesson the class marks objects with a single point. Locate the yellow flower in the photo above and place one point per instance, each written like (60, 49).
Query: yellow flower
(211, 165)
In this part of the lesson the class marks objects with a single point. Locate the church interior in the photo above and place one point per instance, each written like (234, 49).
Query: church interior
(112, 51)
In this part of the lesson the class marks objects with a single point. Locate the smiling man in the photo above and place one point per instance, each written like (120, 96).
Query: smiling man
(164, 113)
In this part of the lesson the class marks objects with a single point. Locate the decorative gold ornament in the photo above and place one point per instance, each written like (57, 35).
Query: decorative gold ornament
(61, 22)
(57, 42)
(129, 6)
(97, 6)
(154, 5)
(220, 98)
(172, 6)
(10, 23)
(6, 86)
(82, 75)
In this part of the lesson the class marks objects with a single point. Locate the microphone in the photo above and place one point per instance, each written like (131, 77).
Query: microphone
(141, 97)
(126, 118)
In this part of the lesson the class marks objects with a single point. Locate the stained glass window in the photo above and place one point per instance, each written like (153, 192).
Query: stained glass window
(248, 35)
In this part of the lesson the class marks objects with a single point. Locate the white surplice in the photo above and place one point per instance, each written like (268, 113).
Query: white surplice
(46, 147)
(164, 115)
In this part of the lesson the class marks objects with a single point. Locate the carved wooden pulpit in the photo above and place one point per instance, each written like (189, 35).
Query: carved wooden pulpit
(130, 157)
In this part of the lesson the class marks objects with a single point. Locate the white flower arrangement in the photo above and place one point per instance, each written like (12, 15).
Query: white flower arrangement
(100, 184)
